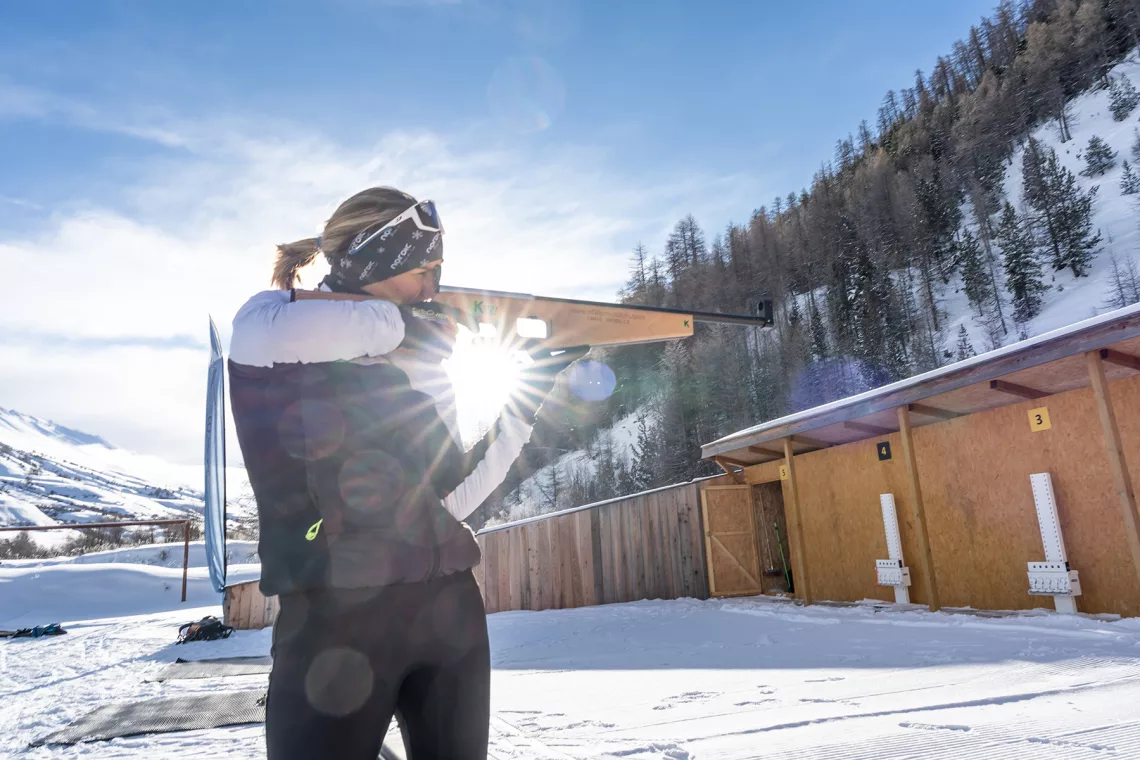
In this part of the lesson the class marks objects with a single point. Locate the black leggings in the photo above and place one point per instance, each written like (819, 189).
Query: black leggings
(345, 661)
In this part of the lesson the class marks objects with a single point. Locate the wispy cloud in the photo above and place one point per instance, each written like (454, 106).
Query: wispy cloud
(21, 203)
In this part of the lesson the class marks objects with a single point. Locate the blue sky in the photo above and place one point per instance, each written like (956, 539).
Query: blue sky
(151, 148)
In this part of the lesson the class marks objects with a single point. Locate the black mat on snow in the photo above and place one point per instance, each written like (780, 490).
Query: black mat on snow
(189, 712)
(220, 668)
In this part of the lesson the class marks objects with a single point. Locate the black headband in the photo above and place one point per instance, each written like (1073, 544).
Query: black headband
(385, 250)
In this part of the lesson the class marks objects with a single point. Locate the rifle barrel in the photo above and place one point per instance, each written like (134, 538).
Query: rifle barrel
(698, 316)
(729, 319)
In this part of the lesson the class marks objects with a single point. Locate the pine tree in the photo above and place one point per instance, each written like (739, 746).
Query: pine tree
(1123, 98)
(1136, 146)
(1064, 211)
(975, 280)
(638, 284)
(819, 348)
(1022, 269)
(1124, 286)
(965, 348)
(1078, 245)
(646, 456)
(1129, 182)
(1099, 158)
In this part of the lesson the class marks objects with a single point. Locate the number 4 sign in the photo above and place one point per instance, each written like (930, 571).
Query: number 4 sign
(1039, 420)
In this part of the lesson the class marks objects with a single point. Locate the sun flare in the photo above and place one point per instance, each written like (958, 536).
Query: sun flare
(483, 374)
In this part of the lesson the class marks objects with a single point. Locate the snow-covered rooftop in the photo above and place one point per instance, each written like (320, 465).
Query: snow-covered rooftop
(1117, 329)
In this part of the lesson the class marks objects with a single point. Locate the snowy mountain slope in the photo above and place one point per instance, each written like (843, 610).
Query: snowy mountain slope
(50, 473)
(1071, 299)
(533, 495)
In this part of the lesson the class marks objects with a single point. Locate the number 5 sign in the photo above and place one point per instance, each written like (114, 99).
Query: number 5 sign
(1039, 420)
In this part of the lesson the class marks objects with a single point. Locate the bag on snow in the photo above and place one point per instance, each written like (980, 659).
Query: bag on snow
(208, 628)
(51, 629)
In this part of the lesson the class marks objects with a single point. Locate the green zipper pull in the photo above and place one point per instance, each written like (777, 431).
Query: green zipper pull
(314, 530)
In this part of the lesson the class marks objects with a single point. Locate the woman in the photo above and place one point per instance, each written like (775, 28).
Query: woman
(347, 427)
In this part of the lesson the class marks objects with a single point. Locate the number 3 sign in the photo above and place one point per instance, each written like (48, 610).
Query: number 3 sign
(1039, 420)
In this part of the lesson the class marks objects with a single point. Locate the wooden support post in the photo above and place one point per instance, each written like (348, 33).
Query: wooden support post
(185, 555)
(728, 470)
(924, 554)
(796, 529)
(1120, 475)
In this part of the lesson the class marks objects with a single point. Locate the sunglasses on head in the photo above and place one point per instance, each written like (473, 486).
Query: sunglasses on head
(424, 215)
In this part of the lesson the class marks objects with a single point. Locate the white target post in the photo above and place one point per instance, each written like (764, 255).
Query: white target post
(892, 572)
(1053, 576)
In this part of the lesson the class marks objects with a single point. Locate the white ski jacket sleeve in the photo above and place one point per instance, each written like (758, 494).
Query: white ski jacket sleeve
(511, 434)
(272, 329)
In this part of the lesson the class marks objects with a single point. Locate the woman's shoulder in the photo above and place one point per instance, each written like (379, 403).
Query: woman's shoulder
(273, 328)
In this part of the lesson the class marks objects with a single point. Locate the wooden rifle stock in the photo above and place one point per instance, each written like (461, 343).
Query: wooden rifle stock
(551, 324)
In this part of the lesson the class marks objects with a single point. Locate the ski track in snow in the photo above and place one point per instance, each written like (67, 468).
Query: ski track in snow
(677, 680)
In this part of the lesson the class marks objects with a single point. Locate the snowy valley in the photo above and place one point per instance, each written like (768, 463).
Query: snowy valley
(51, 474)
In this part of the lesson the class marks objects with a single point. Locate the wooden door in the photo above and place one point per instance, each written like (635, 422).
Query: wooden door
(772, 537)
(730, 541)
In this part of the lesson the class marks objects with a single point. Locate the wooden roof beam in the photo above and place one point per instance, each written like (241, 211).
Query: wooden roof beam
(933, 411)
(813, 442)
(1120, 358)
(1014, 389)
(728, 470)
(862, 427)
(766, 452)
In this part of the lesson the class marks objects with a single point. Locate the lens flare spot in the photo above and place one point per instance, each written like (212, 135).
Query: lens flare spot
(526, 94)
(369, 481)
(591, 381)
(339, 681)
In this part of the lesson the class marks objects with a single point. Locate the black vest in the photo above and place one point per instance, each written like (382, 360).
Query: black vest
(348, 466)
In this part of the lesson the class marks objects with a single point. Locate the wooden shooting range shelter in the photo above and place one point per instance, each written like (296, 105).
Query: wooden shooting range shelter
(1027, 454)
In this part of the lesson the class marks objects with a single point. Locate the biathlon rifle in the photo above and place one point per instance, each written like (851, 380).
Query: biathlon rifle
(541, 323)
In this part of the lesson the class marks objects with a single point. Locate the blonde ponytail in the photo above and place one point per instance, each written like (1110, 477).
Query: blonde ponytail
(376, 205)
(290, 258)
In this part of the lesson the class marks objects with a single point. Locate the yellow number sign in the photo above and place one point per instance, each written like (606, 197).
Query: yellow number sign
(1039, 420)
(783, 472)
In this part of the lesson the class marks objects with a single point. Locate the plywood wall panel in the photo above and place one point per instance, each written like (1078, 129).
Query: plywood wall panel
(980, 504)
(842, 518)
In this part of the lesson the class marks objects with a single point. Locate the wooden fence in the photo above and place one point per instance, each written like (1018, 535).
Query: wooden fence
(647, 546)
(244, 608)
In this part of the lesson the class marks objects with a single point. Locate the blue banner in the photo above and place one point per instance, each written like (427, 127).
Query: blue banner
(216, 464)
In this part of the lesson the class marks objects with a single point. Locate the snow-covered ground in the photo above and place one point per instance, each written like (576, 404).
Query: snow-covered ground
(681, 679)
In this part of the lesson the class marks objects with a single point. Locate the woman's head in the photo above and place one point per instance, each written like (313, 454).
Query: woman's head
(398, 262)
